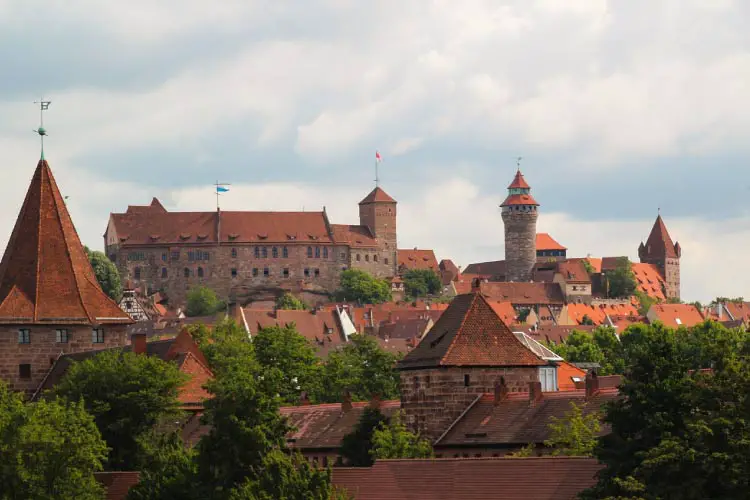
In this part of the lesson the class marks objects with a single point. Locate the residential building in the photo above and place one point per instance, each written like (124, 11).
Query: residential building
(416, 258)
(675, 315)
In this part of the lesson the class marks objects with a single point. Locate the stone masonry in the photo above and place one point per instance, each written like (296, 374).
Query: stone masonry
(520, 244)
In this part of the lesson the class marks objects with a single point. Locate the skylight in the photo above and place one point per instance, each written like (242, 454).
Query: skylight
(537, 348)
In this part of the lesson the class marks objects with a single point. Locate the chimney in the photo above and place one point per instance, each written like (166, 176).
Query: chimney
(138, 343)
(592, 384)
(535, 392)
(303, 399)
(375, 401)
(501, 391)
(346, 402)
(476, 285)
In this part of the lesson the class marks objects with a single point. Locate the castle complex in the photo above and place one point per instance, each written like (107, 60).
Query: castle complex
(519, 212)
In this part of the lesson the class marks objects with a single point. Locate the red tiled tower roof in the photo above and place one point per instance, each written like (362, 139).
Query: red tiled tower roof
(519, 192)
(519, 182)
(469, 333)
(45, 275)
(377, 195)
(659, 243)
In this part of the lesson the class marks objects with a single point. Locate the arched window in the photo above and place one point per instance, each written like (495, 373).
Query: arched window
(309, 252)
(257, 252)
(375, 258)
(163, 272)
(359, 257)
(200, 272)
(137, 273)
(367, 257)
(325, 252)
(187, 272)
(317, 252)
(285, 253)
(386, 261)
(275, 252)
(265, 252)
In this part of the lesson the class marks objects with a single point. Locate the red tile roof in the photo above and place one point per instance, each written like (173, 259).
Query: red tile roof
(494, 268)
(545, 242)
(547, 478)
(519, 199)
(354, 236)
(524, 293)
(45, 275)
(117, 484)
(555, 333)
(676, 315)
(417, 259)
(595, 263)
(567, 375)
(519, 182)
(649, 280)
(576, 312)
(659, 243)
(573, 271)
(404, 329)
(504, 311)
(739, 310)
(377, 195)
(469, 333)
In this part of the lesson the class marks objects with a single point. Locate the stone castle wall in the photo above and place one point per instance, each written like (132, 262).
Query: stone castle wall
(434, 398)
(43, 349)
(520, 244)
(671, 272)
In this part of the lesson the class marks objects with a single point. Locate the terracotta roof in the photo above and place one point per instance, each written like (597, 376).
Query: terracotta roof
(555, 333)
(117, 484)
(491, 268)
(514, 421)
(519, 199)
(573, 271)
(354, 236)
(469, 333)
(659, 243)
(524, 293)
(649, 280)
(595, 263)
(377, 195)
(504, 311)
(545, 242)
(739, 310)
(45, 275)
(417, 259)
(576, 312)
(404, 329)
(324, 426)
(676, 315)
(519, 182)
(610, 263)
(547, 478)
(569, 377)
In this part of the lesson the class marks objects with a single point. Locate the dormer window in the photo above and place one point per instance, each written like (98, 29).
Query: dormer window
(233, 236)
(312, 237)
(202, 236)
(185, 236)
(262, 236)
(291, 237)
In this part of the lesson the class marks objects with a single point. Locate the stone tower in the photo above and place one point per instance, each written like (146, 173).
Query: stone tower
(377, 211)
(665, 255)
(519, 212)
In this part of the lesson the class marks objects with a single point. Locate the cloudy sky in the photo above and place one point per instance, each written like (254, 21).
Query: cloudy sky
(618, 108)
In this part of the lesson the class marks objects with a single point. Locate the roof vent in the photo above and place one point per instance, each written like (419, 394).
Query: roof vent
(262, 236)
(291, 237)
(124, 238)
(202, 236)
(233, 236)
(312, 237)
(185, 236)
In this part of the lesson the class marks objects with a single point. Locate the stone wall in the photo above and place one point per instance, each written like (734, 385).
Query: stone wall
(43, 350)
(520, 244)
(432, 399)
(671, 272)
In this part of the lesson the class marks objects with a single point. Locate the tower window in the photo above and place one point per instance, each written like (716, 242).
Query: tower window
(467, 380)
(234, 272)
(286, 272)
(163, 272)
(24, 336)
(275, 253)
(97, 336)
(61, 336)
(234, 253)
(24, 370)
(285, 253)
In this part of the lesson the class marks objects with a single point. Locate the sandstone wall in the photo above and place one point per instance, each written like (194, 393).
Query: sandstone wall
(520, 244)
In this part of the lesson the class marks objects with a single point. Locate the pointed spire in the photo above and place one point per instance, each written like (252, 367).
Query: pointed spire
(45, 275)
(377, 195)
(659, 243)
(519, 182)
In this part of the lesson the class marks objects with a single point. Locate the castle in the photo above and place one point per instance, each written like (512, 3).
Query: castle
(245, 253)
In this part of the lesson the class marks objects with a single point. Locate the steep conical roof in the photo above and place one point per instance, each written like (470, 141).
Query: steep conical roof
(45, 275)
(659, 242)
(519, 182)
(377, 195)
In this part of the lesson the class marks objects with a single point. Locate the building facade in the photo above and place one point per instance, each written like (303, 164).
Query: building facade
(519, 212)
(665, 255)
(239, 254)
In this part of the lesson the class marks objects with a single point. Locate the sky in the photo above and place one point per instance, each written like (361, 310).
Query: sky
(618, 109)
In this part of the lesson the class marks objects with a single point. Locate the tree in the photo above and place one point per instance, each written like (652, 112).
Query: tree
(290, 302)
(587, 265)
(586, 320)
(48, 449)
(356, 446)
(288, 357)
(363, 369)
(393, 440)
(621, 279)
(106, 273)
(574, 435)
(421, 282)
(202, 301)
(644, 302)
(609, 344)
(128, 394)
(362, 287)
(579, 347)
(167, 468)
(525, 452)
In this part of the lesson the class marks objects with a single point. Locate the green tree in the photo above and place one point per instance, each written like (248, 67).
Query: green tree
(202, 301)
(579, 347)
(360, 286)
(587, 265)
(621, 279)
(226, 346)
(609, 344)
(168, 468)
(586, 320)
(48, 450)
(363, 369)
(644, 302)
(288, 357)
(128, 394)
(290, 302)
(356, 446)
(106, 273)
(575, 434)
(393, 440)
(525, 452)
(421, 282)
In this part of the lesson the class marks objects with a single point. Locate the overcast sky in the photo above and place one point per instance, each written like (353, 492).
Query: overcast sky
(617, 108)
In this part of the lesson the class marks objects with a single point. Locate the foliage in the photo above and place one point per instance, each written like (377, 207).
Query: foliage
(167, 468)
(128, 394)
(363, 369)
(724, 300)
(356, 446)
(202, 301)
(525, 452)
(226, 345)
(290, 302)
(106, 273)
(644, 302)
(679, 431)
(621, 279)
(421, 282)
(575, 434)
(601, 346)
(360, 286)
(393, 440)
(674, 300)
(586, 320)
(587, 265)
(523, 315)
(48, 449)
(289, 359)
(608, 342)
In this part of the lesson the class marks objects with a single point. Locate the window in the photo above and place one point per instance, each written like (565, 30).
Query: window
(61, 336)
(286, 272)
(275, 253)
(264, 251)
(187, 272)
(317, 272)
(175, 255)
(359, 257)
(548, 378)
(234, 253)
(367, 258)
(385, 261)
(24, 370)
(97, 335)
(255, 271)
(234, 272)
(467, 380)
(164, 257)
(24, 336)
(375, 258)
(266, 272)
(198, 255)
(285, 253)
(317, 252)
(137, 273)
(307, 272)
(136, 256)
(200, 272)
(163, 272)
(325, 252)
(257, 252)
(309, 252)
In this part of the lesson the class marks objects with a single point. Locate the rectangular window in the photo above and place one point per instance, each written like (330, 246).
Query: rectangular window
(164, 257)
(97, 336)
(266, 272)
(285, 253)
(24, 336)
(24, 370)
(317, 252)
(548, 378)
(467, 380)
(257, 252)
(163, 272)
(234, 272)
(61, 336)
(317, 272)
(255, 271)
(286, 272)
(175, 255)
(307, 272)
(264, 250)
(234, 253)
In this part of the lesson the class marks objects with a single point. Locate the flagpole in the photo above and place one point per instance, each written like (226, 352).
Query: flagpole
(377, 180)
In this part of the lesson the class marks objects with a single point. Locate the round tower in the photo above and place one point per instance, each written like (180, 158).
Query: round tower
(519, 212)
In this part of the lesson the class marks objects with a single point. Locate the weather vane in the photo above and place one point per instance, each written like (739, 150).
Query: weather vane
(43, 106)
(518, 162)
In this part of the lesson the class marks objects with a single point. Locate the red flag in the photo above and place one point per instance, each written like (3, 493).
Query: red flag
(378, 158)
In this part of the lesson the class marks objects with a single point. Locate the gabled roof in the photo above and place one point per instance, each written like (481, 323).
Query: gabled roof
(659, 243)
(519, 182)
(573, 271)
(469, 333)
(649, 280)
(524, 293)
(45, 275)
(377, 195)
(354, 236)
(546, 242)
(676, 315)
(417, 259)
